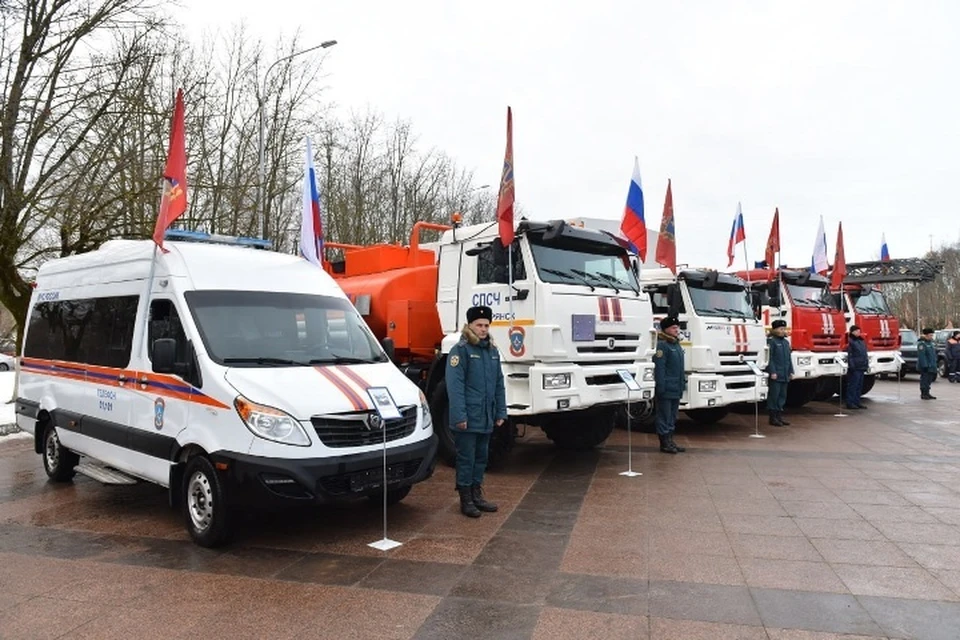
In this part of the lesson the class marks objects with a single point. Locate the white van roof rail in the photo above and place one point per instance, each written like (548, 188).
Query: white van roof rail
(184, 235)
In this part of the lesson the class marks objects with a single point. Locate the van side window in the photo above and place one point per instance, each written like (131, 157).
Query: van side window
(489, 272)
(97, 331)
(165, 323)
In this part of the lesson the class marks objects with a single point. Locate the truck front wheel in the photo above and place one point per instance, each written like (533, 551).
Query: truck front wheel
(583, 431)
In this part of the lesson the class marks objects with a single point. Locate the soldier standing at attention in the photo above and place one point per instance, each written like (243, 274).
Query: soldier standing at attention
(926, 363)
(671, 383)
(780, 370)
(478, 401)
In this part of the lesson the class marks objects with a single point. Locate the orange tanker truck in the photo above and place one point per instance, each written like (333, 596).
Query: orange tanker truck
(574, 322)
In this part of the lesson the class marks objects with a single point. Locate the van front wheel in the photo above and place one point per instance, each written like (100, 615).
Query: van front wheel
(204, 504)
(58, 462)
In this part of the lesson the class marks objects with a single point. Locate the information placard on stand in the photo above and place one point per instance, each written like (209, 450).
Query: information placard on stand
(756, 399)
(386, 409)
(631, 383)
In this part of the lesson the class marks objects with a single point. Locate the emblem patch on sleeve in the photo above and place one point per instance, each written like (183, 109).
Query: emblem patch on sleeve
(659, 353)
(454, 361)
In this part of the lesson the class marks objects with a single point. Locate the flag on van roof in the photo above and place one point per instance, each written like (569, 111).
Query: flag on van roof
(737, 235)
(884, 251)
(506, 196)
(173, 202)
(634, 225)
(311, 225)
(667, 241)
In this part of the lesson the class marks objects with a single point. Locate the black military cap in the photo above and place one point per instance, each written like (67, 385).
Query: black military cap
(668, 322)
(854, 328)
(479, 313)
(776, 324)
(927, 331)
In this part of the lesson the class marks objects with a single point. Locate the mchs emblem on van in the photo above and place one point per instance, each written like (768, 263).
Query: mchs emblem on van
(158, 407)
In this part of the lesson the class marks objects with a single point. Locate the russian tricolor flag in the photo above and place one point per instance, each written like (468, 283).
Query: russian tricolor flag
(884, 251)
(737, 235)
(633, 225)
(311, 228)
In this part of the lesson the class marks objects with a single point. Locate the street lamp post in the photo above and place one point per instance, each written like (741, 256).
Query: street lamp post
(261, 196)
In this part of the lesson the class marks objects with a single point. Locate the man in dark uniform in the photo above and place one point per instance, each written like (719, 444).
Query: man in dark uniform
(926, 363)
(478, 401)
(857, 364)
(671, 383)
(780, 370)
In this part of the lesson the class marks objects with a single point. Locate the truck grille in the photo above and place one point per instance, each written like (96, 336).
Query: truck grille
(731, 365)
(883, 343)
(622, 343)
(360, 428)
(826, 342)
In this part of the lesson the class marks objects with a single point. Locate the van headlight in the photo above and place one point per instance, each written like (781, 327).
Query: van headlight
(707, 386)
(648, 375)
(556, 381)
(270, 423)
(804, 361)
(425, 410)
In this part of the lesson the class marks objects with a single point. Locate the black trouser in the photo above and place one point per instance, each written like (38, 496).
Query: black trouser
(953, 368)
(854, 388)
(926, 379)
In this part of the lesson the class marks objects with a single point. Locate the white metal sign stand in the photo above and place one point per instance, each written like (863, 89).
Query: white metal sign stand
(387, 409)
(631, 385)
(843, 371)
(756, 397)
(900, 361)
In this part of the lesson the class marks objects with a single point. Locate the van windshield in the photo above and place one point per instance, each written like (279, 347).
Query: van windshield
(264, 328)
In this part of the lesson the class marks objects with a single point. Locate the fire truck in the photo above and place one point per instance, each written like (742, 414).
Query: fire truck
(815, 326)
(573, 323)
(720, 334)
(865, 305)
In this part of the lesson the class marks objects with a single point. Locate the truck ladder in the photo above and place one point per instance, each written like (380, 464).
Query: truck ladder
(898, 270)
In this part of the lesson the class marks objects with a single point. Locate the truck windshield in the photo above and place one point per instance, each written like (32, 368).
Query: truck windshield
(265, 328)
(603, 268)
(809, 296)
(728, 301)
(872, 302)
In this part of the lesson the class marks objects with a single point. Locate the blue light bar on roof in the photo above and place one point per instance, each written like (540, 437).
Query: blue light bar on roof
(183, 235)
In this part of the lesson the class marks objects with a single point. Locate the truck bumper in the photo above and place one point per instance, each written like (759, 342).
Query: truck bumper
(707, 390)
(810, 365)
(882, 362)
(590, 386)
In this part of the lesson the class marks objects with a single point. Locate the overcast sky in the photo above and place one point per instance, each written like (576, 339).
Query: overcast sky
(849, 110)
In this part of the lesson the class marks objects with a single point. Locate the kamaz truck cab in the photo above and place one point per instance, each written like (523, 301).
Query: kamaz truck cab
(720, 335)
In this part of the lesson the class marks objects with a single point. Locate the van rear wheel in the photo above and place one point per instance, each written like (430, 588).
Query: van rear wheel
(204, 503)
(58, 462)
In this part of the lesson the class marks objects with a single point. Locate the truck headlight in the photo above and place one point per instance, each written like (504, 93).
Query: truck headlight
(425, 410)
(804, 361)
(707, 386)
(648, 375)
(270, 423)
(556, 381)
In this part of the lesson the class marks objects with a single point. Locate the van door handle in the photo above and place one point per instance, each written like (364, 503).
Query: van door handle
(121, 379)
(144, 381)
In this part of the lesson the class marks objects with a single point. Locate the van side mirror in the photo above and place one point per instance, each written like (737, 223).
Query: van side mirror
(163, 353)
(389, 348)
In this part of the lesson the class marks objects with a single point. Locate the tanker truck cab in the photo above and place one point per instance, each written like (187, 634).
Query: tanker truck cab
(815, 328)
(720, 335)
(244, 378)
(575, 316)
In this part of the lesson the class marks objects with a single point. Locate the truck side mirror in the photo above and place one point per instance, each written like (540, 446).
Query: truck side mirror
(389, 348)
(554, 230)
(710, 280)
(673, 300)
(163, 353)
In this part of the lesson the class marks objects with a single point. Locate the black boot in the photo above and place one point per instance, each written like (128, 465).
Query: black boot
(783, 423)
(775, 419)
(666, 445)
(675, 445)
(467, 507)
(479, 502)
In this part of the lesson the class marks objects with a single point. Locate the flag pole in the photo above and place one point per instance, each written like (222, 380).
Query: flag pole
(756, 382)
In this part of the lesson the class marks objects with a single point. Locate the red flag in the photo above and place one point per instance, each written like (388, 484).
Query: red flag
(667, 242)
(773, 242)
(173, 203)
(505, 199)
(839, 262)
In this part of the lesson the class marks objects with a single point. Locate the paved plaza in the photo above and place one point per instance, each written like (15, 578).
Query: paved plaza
(831, 528)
